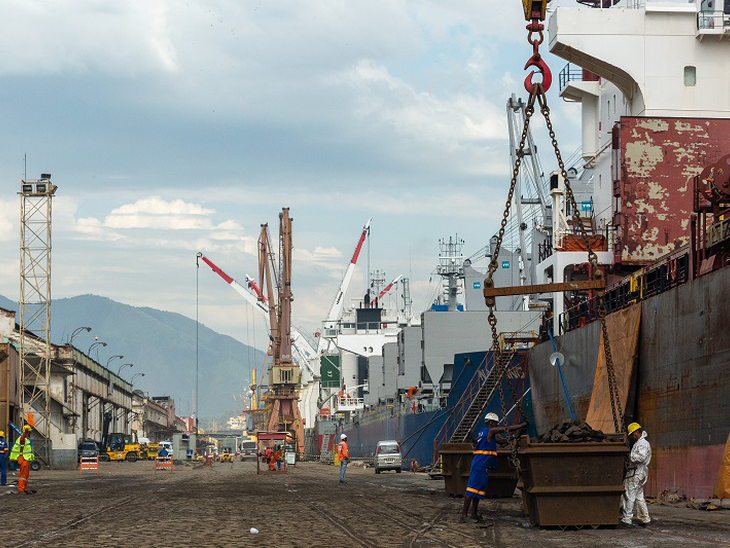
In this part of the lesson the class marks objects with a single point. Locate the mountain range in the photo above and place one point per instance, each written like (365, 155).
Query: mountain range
(161, 345)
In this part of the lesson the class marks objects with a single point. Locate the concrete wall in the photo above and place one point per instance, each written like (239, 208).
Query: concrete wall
(64, 452)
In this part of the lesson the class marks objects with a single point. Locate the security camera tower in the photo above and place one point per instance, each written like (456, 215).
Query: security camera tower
(36, 198)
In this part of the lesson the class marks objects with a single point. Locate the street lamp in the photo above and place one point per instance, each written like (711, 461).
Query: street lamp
(135, 376)
(112, 358)
(94, 345)
(123, 366)
(76, 332)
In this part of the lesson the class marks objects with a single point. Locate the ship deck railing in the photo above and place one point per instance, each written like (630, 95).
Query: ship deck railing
(385, 412)
(641, 285)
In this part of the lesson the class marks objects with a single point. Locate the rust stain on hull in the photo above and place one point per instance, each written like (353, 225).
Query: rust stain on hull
(659, 158)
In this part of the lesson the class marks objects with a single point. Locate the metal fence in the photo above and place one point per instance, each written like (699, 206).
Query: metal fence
(641, 285)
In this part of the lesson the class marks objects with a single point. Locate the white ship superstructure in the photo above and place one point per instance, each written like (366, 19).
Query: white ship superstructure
(654, 61)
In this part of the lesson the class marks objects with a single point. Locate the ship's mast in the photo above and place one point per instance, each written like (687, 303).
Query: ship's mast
(451, 267)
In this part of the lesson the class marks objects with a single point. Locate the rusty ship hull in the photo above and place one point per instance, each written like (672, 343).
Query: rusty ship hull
(680, 391)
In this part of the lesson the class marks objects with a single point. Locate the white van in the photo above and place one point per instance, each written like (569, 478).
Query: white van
(388, 457)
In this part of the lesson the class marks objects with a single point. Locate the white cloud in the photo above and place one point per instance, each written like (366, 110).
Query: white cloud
(8, 221)
(156, 213)
(81, 36)
(93, 229)
(149, 216)
(452, 121)
(157, 206)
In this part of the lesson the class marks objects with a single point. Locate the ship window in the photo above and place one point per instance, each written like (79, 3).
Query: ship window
(690, 76)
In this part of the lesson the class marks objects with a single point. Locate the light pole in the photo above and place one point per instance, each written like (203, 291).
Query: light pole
(135, 376)
(123, 366)
(76, 332)
(112, 358)
(94, 345)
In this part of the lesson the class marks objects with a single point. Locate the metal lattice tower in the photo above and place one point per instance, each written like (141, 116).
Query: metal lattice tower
(35, 303)
(450, 268)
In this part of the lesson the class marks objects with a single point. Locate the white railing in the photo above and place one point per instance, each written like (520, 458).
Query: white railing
(348, 404)
(713, 21)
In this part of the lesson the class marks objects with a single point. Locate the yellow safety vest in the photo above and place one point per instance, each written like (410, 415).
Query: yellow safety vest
(27, 451)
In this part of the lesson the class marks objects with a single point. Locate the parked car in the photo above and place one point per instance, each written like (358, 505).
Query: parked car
(388, 456)
(88, 448)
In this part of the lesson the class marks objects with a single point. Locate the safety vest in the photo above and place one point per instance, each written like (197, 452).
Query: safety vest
(3, 449)
(342, 451)
(27, 451)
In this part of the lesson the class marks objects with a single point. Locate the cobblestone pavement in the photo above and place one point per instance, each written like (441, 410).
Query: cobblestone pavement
(128, 504)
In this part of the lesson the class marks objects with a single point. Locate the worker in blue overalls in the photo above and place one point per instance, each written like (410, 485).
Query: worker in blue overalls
(484, 459)
(3, 459)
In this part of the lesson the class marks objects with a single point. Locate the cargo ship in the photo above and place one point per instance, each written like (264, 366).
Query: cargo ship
(651, 180)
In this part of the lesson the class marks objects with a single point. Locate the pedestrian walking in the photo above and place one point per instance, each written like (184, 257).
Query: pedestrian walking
(23, 453)
(343, 453)
(272, 460)
(483, 459)
(636, 476)
(3, 459)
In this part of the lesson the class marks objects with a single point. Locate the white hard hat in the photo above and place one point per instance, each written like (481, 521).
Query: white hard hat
(491, 417)
(343, 436)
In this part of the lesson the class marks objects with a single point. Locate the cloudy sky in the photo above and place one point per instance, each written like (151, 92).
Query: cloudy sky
(174, 126)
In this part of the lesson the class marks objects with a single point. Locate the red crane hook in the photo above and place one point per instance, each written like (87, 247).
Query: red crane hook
(547, 77)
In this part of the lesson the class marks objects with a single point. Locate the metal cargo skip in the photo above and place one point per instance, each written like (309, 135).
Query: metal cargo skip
(573, 484)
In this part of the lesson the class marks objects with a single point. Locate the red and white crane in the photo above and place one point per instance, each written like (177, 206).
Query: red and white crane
(335, 312)
(388, 287)
(252, 294)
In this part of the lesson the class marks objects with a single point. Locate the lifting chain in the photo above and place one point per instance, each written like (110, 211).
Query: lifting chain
(537, 91)
(595, 271)
(538, 95)
(500, 358)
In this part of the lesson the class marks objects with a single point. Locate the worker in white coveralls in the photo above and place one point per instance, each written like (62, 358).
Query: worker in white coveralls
(636, 476)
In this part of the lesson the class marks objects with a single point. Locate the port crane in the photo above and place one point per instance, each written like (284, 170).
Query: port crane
(275, 275)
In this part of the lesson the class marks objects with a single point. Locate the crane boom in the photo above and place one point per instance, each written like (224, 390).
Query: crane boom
(338, 304)
(244, 292)
(389, 287)
(301, 345)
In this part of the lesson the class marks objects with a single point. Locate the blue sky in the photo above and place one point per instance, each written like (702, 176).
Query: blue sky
(174, 127)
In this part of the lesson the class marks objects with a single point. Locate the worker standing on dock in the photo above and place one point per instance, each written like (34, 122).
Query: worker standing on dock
(23, 453)
(636, 476)
(485, 457)
(343, 453)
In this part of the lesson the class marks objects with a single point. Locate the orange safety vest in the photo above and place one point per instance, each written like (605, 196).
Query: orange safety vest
(342, 451)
